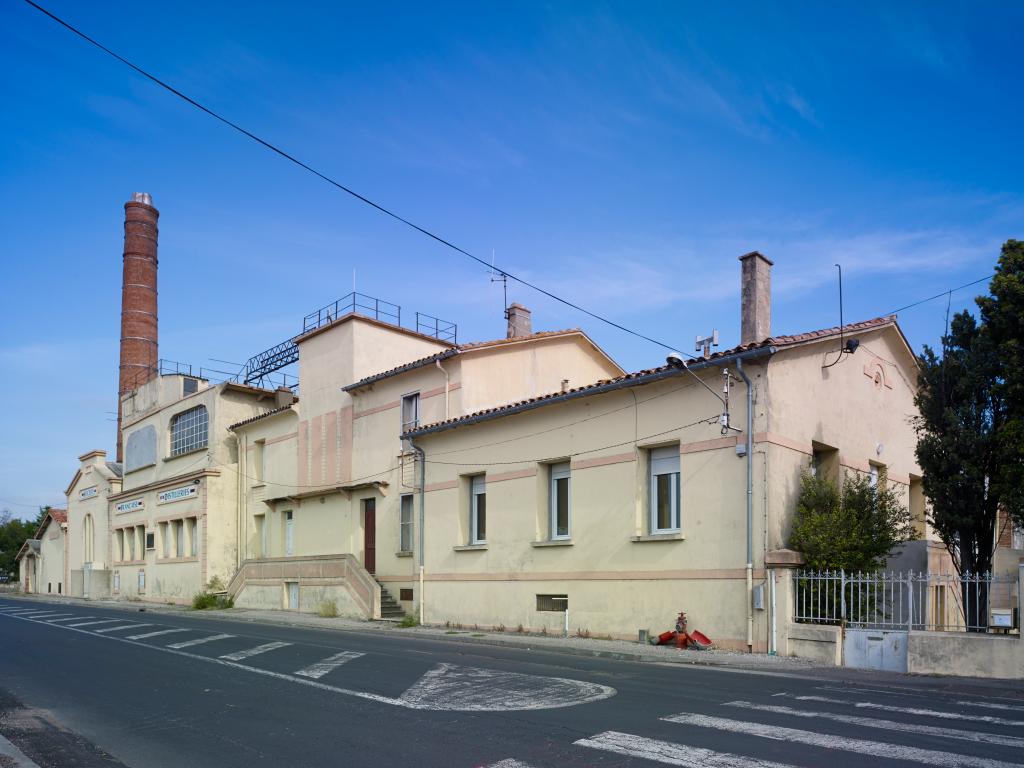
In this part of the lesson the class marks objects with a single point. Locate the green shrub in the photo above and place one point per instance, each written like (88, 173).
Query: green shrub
(410, 620)
(328, 609)
(210, 601)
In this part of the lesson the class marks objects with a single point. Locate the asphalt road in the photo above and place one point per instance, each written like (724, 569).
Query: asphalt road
(151, 689)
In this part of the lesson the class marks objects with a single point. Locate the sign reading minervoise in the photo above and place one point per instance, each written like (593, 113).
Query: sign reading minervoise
(177, 494)
(87, 493)
(131, 506)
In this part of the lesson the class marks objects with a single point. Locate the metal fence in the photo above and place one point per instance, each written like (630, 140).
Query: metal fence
(979, 602)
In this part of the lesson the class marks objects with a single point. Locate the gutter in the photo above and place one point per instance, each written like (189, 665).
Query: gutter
(401, 369)
(611, 386)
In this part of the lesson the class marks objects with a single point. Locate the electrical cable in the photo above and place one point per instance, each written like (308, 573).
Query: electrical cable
(348, 190)
(940, 295)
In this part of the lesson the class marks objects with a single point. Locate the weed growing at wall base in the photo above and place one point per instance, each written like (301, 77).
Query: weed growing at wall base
(204, 601)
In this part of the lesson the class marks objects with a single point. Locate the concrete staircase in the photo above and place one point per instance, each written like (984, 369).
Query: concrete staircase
(390, 610)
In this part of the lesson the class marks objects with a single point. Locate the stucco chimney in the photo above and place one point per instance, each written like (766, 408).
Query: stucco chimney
(138, 300)
(755, 298)
(518, 321)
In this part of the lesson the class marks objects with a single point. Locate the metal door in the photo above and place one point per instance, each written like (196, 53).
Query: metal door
(293, 595)
(875, 649)
(370, 535)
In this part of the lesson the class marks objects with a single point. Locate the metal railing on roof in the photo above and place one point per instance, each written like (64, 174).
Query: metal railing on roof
(354, 303)
(443, 330)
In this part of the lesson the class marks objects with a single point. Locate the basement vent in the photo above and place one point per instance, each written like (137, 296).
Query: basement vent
(405, 594)
(189, 386)
(557, 603)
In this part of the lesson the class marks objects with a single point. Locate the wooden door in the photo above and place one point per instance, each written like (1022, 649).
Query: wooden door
(370, 535)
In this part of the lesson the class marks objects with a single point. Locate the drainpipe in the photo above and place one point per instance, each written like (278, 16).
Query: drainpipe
(239, 493)
(443, 371)
(422, 461)
(750, 504)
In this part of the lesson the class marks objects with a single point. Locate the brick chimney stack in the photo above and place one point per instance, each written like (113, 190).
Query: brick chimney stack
(518, 321)
(138, 300)
(755, 298)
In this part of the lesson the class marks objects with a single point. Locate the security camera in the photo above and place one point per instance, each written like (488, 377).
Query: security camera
(675, 360)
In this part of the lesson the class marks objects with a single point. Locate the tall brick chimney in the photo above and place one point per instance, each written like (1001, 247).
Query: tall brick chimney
(518, 321)
(138, 300)
(755, 298)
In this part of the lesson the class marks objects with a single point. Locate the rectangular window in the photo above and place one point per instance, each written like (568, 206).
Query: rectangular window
(140, 533)
(119, 536)
(664, 491)
(1018, 537)
(478, 510)
(150, 540)
(190, 430)
(261, 535)
(129, 535)
(410, 411)
(179, 538)
(165, 541)
(193, 535)
(405, 523)
(259, 461)
(873, 475)
(289, 532)
(559, 501)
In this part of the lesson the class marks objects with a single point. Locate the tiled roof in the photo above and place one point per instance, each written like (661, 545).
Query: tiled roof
(261, 416)
(773, 341)
(445, 354)
(116, 468)
(60, 515)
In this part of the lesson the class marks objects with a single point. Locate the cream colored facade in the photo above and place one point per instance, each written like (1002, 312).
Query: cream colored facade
(314, 472)
(173, 525)
(617, 571)
(88, 573)
(41, 560)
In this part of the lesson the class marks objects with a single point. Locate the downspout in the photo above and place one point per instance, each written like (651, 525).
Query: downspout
(446, 381)
(750, 504)
(422, 461)
(239, 493)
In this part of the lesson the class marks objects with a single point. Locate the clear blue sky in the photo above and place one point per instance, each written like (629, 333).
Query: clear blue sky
(620, 154)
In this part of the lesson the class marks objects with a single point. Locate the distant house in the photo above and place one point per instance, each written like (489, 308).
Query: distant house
(41, 559)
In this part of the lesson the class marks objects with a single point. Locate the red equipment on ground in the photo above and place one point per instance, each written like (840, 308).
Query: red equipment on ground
(683, 639)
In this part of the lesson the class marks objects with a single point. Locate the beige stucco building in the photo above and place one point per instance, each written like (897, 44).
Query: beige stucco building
(95, 481)
(173, 524)
(41, 559)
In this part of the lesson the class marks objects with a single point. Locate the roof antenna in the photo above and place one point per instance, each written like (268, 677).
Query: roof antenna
(845, 347)
(503, 279)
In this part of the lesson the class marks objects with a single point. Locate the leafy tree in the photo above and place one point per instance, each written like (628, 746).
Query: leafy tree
(1002, 314)
(853, 528)
(13, 533)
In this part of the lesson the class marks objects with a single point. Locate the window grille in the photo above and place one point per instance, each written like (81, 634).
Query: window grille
(190, 430)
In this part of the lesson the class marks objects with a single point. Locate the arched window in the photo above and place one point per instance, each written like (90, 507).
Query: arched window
(89, 538)
(189, 430)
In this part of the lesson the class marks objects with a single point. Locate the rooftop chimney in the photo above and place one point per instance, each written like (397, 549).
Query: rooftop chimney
(518, 321)
(138, 300)
(755, 298)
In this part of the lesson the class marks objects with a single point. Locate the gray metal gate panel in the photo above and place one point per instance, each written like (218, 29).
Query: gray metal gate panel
(875, 649)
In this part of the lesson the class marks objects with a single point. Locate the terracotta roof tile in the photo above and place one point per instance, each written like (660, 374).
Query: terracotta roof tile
(260, 416)
(773, 341)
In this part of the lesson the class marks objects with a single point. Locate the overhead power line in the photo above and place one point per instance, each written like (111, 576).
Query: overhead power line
(348, 190)
(940, 295)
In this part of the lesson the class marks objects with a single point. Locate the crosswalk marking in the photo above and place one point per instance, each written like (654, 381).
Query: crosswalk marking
(321, 668)
(28, 611)
(942, 714)
(888, 725)
(932, 757)
(671, 753)
(199, 641)
(239, 655)
(91, 623)
(510, 763)
(44, 614)
(154, 634)
(123, 626)
(70, 618)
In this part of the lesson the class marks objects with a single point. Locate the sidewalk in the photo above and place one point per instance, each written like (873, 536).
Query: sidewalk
(623, 650)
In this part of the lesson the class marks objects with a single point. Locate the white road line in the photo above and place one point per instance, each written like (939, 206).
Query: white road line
(510, 763)
(154, 634)
(199, 641)
(939, 713)
(71, 618)
(321, 668)
(27, 611)
(671, 753)
(239, 655)
(606, 691)
(888, 725)
(123, 626)
(991, 705)
(47, 615)
(932, 757)
(90, 623)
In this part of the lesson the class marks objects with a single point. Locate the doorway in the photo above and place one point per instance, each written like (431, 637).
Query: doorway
(293, 595)
(370, 535)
